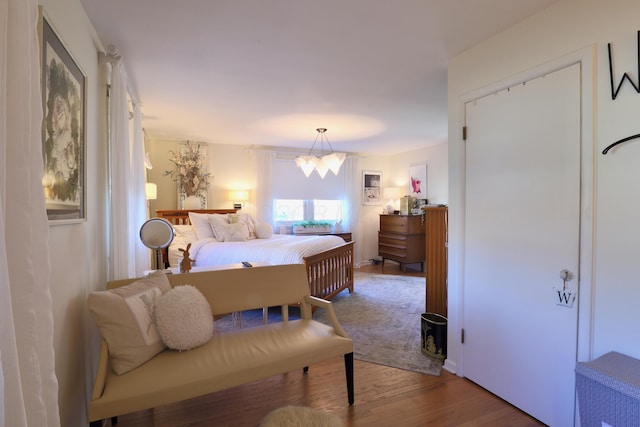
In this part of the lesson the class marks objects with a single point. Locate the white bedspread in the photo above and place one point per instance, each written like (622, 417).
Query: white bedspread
(279, 249)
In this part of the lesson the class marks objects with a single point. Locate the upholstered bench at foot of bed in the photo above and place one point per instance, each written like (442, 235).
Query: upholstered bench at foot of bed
(227, 360)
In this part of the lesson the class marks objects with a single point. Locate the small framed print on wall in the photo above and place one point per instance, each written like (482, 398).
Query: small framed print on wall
(418, 181)
(371, 188)
(63, 130)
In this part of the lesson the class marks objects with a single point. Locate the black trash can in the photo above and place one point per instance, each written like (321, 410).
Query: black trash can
(434, 336)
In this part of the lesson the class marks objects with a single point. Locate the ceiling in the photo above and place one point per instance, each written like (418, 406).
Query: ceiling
(269, 72)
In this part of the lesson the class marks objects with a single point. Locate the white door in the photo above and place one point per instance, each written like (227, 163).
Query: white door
(522, 227)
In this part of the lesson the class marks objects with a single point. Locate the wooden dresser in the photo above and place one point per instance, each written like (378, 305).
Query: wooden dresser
(436, 252)
(401, 239)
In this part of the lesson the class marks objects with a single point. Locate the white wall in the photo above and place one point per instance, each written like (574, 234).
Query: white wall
(565, 27)
(78, 251)
(232, 168)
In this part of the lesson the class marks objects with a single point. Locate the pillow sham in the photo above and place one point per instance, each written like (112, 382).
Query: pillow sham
(125, 318)
(184, 319)
(232, 232)
(245, 219)
(216, 220)
(201, 225)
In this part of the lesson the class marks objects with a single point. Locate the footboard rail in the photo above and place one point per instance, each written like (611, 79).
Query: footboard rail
(330, 272)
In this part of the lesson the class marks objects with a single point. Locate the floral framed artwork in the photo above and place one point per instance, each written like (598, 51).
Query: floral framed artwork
(371, 188)
(418, 181)
(63, 130)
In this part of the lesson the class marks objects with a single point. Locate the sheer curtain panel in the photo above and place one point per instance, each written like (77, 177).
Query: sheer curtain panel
(129, 257)
(351, 205)
(28, 385)
(264, 184)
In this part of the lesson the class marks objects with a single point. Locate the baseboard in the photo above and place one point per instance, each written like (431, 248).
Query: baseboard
(449, 366)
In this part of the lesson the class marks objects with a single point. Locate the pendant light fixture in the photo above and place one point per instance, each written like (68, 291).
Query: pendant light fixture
(332, 161)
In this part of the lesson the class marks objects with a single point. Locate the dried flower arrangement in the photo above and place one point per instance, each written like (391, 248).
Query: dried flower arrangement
(189, 172)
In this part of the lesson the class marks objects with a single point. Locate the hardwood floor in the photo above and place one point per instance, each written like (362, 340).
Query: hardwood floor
(384, 396)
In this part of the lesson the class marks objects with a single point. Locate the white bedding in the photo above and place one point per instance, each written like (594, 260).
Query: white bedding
(279, 249)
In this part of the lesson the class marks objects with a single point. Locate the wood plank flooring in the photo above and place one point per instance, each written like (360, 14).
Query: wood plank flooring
(384, 396)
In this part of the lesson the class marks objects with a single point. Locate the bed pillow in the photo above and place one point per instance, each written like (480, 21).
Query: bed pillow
(245, 219)
(216, 220)
(264, 230)
(201, 225)
(232, 232)
(124, 316)
(184, 319)
(184, 234)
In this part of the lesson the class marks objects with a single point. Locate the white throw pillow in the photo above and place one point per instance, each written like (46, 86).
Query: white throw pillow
(200, 223)
(183, 318)
(124, 316)
(264, 230)
(245, 219)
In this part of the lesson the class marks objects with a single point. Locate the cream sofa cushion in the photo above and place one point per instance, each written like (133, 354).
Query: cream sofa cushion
(125, 317)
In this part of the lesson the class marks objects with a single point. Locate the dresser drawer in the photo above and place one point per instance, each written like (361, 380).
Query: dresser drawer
(396, 240)
(394, 224)
(402, 224)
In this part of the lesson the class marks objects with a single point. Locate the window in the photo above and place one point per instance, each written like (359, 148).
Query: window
(298, 199)
(288, 211)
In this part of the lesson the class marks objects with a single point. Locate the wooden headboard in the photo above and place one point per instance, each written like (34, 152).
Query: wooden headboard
(177, 216)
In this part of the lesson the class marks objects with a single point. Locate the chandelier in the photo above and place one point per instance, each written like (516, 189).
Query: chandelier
(324, 163)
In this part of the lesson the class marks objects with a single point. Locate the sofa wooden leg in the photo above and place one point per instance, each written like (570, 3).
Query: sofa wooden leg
(348, 367)
(97, 423)
(305, 369)
(114, 421)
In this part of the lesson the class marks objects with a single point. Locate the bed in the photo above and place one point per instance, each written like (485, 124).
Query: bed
(328, 259)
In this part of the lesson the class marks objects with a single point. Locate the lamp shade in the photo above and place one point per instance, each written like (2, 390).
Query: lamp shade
(324, 163)
(307, 164)
(239, 195)
(322, 168)
(334, 161)
(151, 191)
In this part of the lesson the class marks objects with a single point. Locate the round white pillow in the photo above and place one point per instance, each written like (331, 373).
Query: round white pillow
(183, 318)
(264, 230)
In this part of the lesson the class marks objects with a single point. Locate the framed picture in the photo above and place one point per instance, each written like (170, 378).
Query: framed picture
(418, 181)
(63, 128)
(371, 188)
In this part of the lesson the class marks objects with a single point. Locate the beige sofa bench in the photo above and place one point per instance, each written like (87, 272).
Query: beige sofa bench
(232, 358)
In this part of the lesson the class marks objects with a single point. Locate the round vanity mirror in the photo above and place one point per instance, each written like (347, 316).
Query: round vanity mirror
(157, 234)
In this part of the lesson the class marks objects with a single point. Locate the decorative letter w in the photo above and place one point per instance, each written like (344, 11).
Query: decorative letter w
(625, 76)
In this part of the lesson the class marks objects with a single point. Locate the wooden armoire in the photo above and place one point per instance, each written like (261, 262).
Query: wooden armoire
(436, 258)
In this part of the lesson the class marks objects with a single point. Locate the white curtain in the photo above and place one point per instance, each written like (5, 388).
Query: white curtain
(128, 211)
(264, 184)
(28, 385)
(351, 202)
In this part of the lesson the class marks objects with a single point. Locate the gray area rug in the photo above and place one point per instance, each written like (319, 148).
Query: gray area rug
(382, 317)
